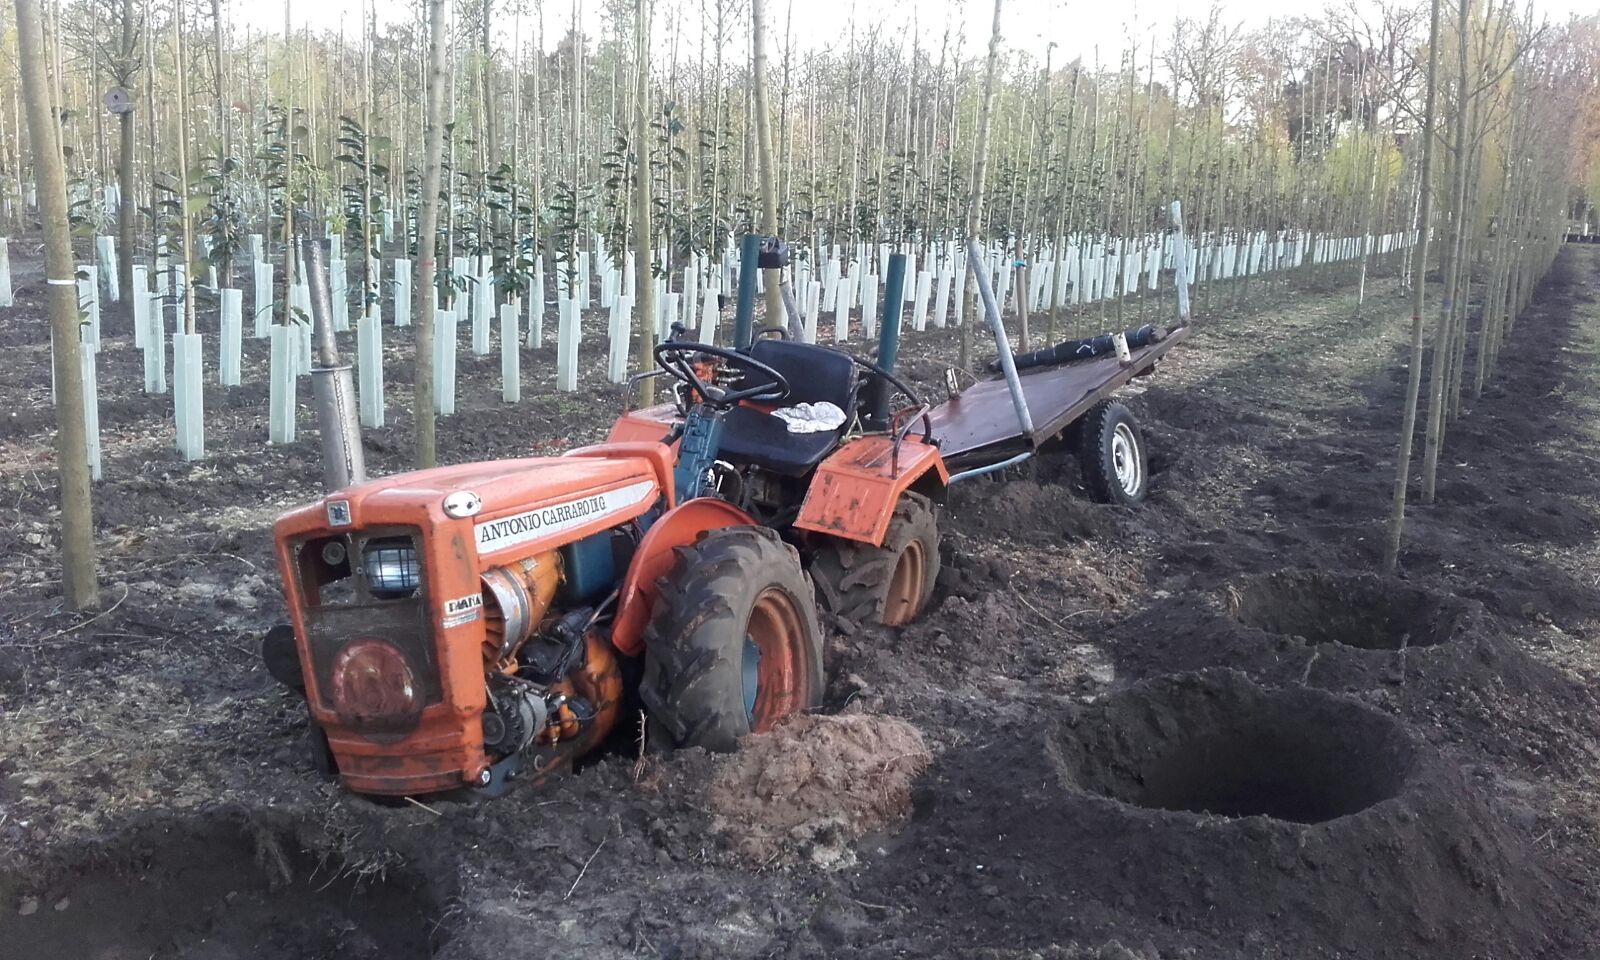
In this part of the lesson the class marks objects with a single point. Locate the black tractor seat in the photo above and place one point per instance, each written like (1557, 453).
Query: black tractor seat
(816, 374)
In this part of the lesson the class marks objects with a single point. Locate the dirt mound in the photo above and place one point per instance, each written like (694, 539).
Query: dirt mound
(1358, 611)
(1027, 511)
(220, 888)
(810, 787)
(1233, 749)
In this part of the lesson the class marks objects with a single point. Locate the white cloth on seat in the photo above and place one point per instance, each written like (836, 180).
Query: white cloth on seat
(811, 417)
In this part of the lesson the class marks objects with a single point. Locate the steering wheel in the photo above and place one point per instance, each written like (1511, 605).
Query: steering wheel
(672, 355)
(901, 385)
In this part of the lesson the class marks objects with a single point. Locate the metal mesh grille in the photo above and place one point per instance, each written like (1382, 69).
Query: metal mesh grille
(393, 569)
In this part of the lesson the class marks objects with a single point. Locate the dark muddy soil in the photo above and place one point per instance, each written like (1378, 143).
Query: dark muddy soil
(220, 885)
(1199, 728)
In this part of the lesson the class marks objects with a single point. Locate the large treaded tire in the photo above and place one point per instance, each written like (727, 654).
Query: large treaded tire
(854, 580)
(693, 687)
(1111, 454)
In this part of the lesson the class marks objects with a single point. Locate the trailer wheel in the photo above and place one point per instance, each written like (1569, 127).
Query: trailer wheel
(890, 584)
(733, 645)
(1111, 453)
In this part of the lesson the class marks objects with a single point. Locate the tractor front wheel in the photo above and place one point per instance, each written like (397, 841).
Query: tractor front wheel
(890, 584)
(733, 645)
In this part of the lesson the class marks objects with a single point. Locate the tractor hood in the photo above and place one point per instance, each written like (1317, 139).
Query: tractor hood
(510, 503)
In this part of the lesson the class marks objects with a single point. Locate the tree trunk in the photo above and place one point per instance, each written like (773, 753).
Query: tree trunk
(427, 235)
(644, 282)
(187, 224)
(491, 128)
(1439, 369)
(288, 161)
(1408, 420)
(225, 269)
(980, 168)
(768, 175)
(78, 578)
(126, 207)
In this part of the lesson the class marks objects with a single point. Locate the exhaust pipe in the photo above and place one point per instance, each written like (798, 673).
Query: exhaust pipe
(333, 389)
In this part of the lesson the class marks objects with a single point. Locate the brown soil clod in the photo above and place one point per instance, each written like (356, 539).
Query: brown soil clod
(216, 886)
(1227, 747)
(1362, 610)
(814, 784)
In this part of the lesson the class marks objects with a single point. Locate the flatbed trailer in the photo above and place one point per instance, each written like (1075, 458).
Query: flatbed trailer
(980, 426)
(1003, 420)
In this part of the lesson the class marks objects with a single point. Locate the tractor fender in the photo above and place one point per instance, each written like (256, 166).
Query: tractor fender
(854, 491)
(678, 527)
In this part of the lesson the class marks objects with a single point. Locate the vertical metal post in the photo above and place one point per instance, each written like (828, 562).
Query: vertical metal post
(894, 291)
(333, 389)
(991, 312)
(744, 316)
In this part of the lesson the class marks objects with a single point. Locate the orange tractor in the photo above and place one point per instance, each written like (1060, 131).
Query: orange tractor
(467, 625)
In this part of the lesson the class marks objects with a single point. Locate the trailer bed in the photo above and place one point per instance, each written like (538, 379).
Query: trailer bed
(980, 426)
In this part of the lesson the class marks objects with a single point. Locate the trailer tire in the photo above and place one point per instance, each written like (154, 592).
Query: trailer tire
(1111, 454)
(890, 584)
(733, 644)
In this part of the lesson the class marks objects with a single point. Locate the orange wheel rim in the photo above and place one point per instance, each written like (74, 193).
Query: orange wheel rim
(904, 599)
(777, 629)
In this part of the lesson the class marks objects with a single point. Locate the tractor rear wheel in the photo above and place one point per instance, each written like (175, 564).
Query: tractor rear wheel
(733, 645)
(890, 584)
(1111, 454)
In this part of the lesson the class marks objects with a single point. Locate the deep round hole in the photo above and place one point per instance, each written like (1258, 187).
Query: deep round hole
(1355, 610)
(216, 888)
(1220, 745)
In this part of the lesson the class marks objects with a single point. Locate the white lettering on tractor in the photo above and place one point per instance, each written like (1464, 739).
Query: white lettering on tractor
(463, 604)
(557, 518)
(462, 610)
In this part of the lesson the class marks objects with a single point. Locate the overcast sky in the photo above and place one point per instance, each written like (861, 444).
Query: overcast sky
(1076, 28)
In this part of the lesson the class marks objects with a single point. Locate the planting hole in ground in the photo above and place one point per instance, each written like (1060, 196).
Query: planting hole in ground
(1358, 611)
(216, 889)
(1218, 744)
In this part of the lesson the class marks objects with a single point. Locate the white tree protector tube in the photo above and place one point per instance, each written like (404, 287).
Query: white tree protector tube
(511, 352)
(281, 385)
(536, 313)
(231, 358)
(6, 297)
(444, 362)
(107, 255)
(89, 304)
(813, 310)
(710, 314)
(567, 337)
(91, 407)
(482, 301)
(369, 365)
(919, 303)
(941, 297)
(140, 295)
(622, 321)
(261, 304)
(188, 393)
(402, 293)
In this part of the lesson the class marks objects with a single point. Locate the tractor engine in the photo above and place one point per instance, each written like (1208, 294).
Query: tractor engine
(450, 626)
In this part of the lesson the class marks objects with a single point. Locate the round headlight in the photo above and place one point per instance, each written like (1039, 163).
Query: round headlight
(372, 680)
(393, 570)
